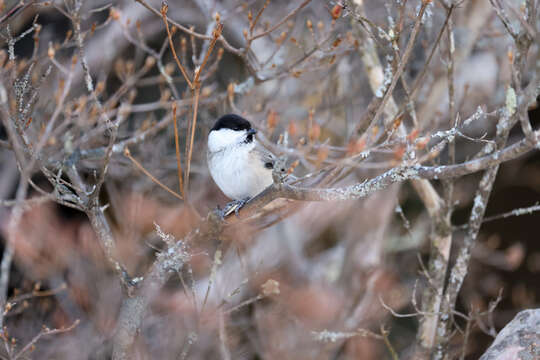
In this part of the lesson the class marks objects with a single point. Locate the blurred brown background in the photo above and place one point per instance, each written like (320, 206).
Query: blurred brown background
(339, 266)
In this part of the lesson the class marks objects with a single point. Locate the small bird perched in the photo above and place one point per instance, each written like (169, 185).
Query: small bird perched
(239, 165)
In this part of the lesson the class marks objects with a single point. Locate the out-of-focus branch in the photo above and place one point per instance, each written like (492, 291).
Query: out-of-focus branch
(281, 22)
(42, 333)
(16, 212)
(5, 268)
(99, 223)
(378, 105)
(511, 114)
(134, 308)
(223, 41)
(112, 128)
(88, 196)
(441, 233)
(194, 85)
(164, 9)
(138, 165)
(441, 229)
(476, 20)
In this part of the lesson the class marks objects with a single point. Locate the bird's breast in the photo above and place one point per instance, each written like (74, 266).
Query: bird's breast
(238, 174)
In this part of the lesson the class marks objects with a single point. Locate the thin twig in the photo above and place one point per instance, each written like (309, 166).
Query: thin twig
(389, 346)
(189, 31)
(42, 333)
(244, 303)
(216, 34)
(164, 9)
(197, 92)
(127, 153)
(402, 63)
(177, 149)
(223, 348)
(516, 212)
(37, 293)
(283, 21)
(258, 16)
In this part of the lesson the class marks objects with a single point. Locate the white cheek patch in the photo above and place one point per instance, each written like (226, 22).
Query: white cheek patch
(223, 138)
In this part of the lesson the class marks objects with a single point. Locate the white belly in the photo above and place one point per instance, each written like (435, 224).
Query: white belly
(230, 171)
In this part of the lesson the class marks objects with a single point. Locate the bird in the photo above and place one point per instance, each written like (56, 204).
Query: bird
(239, 165)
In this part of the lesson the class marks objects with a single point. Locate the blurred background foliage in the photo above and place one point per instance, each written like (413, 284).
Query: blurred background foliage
(335, 262)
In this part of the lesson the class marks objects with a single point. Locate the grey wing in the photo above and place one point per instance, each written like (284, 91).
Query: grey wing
(269, 160)
(265, 156)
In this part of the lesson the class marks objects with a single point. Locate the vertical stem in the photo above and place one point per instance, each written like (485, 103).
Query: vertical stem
(17, 211)
(4, 279)
(401, 66)
(177, 148)
(451, 97)
(192, 137)
(164, 9)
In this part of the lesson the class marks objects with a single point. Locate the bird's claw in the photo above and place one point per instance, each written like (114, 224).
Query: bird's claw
(233, 206)
(240, 205)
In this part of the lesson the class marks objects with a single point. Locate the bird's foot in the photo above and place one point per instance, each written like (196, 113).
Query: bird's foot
(234, 206)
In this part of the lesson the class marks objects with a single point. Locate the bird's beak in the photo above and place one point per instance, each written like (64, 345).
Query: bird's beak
(252, 132)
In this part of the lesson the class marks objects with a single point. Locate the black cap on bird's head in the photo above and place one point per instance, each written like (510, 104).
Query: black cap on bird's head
(233, 122)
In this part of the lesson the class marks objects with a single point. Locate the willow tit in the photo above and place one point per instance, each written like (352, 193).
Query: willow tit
(239, 165)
